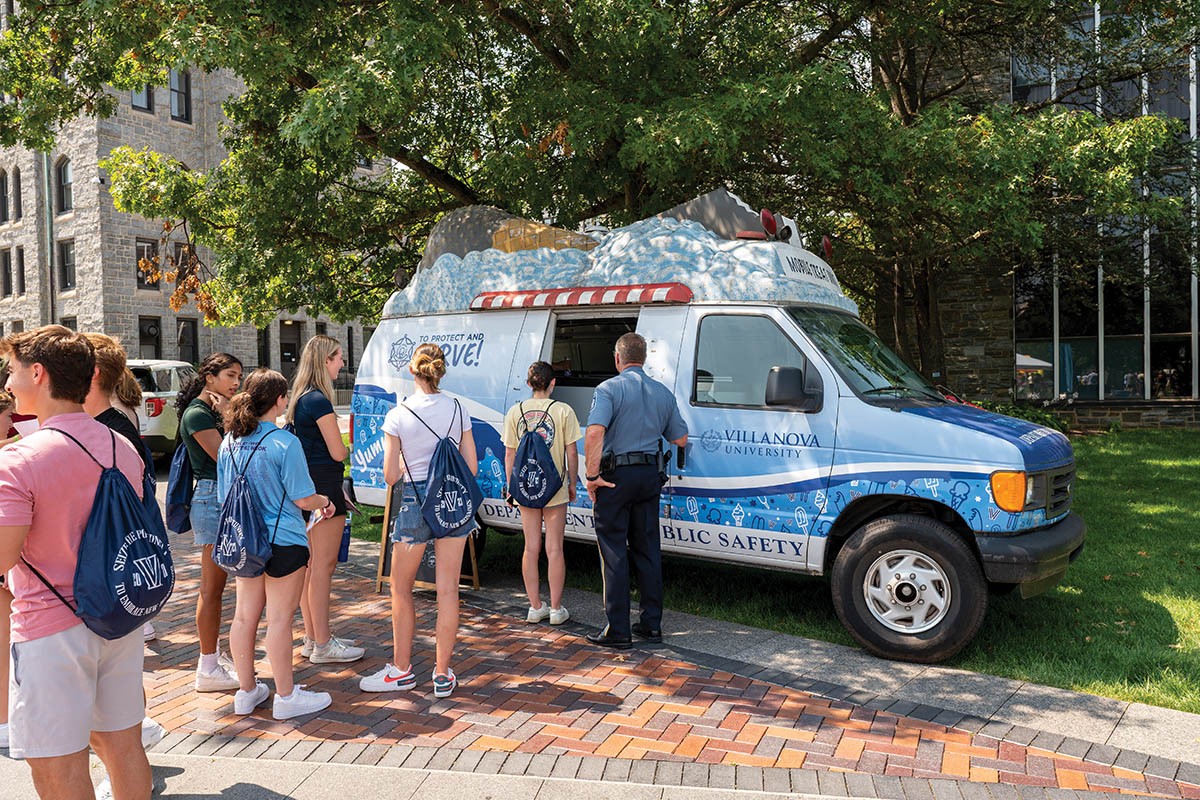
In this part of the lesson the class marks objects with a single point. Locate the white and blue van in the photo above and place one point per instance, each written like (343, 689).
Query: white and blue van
(812, 447)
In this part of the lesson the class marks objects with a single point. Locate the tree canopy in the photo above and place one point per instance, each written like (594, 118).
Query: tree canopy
(868, 120)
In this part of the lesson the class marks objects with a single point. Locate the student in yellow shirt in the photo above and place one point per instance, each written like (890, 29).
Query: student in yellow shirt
(557, 424)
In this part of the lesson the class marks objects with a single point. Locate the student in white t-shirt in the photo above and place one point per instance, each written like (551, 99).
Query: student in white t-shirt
(412, 431)
(557, 424)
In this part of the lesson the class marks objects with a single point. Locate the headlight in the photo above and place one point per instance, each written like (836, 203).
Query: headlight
(1018, 491)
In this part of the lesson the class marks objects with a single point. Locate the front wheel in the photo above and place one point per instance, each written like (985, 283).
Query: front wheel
(908, 588)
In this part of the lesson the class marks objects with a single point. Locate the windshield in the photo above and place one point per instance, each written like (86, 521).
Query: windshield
(870, 367)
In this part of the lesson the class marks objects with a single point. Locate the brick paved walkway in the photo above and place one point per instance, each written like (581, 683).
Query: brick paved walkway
(540, 700)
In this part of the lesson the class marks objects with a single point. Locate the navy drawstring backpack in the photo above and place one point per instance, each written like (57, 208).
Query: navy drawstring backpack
(452, 495)
(243, 548)
(125, 574)
(181, 485)
(535, 478)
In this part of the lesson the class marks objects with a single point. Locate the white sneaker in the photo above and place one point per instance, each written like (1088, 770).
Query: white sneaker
(559, 615)
(4, 735)
(219, 680)
(148, 632)
(226, 661)
(245, 702)
(537, 614)
(388, 679)
(152, 733)
(300, 702)
(444, 685)
(104, 790)
(335, 651)
(306, 649)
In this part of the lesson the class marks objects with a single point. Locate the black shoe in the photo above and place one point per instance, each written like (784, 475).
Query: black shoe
(644, 631)
(604, 639)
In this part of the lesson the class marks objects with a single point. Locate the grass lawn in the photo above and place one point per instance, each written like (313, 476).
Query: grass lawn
(1125, 623)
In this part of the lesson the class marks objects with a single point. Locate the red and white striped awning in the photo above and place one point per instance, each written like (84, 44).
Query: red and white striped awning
(585, 296)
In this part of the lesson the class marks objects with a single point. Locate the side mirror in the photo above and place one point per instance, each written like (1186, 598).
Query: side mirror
(797, 388)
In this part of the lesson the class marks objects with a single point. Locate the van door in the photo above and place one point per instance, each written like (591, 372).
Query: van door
(756, 476)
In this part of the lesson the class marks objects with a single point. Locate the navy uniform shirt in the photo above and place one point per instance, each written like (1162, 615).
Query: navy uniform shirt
(636, 411)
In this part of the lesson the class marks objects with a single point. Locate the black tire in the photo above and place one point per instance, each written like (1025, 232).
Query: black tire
(951, 600)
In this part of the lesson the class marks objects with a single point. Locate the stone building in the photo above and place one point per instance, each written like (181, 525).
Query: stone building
(68, 256)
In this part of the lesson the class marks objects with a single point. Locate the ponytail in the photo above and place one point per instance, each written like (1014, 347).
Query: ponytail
(259, 394)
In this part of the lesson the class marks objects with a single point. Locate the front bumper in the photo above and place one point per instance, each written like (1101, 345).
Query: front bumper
(1035, 561)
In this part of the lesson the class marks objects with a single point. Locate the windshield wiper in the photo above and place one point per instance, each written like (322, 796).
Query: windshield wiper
(896, 389)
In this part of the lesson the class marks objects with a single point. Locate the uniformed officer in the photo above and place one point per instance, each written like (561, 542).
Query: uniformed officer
(631, 413)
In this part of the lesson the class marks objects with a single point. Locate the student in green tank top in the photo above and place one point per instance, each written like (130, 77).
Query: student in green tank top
(201, 403)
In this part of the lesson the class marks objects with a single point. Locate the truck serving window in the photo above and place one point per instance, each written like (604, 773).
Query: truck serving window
(870, 367)
(583, 349)
(734, 355)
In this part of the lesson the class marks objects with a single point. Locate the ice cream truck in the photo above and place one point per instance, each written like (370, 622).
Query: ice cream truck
(812, 447)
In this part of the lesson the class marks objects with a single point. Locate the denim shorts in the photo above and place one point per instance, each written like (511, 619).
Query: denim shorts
(410, 527)
(206, 512)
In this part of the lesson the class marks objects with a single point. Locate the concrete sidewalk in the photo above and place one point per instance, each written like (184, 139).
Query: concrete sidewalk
(214, 778)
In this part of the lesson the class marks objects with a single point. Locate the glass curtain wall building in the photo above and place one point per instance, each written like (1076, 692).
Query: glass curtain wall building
(1092, 337)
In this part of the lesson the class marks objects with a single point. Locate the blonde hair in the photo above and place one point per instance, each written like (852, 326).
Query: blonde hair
(311, 373)
(6, 402)
(129, 391)
(429, 362)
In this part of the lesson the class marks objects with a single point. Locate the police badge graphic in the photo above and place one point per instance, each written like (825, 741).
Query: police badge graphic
(401, 354)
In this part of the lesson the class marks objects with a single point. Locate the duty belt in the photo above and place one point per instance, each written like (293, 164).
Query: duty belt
(634, 459)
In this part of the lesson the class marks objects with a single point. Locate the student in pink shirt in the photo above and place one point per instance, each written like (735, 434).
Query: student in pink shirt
(69, 688)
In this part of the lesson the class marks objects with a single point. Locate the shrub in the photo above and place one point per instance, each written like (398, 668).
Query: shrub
(1034, 414)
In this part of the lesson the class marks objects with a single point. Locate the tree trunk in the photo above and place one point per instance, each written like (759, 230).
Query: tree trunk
(928, 323)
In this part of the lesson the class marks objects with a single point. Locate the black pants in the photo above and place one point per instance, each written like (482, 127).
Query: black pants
(627, 533)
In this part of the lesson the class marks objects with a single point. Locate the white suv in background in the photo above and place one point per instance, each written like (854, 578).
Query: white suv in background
(157, 419)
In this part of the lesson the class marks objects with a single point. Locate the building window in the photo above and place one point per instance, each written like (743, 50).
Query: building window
(64, 183)
(6, 276)
(365, 162)
(187, 341)
(143, 99)
(149, 337)
(16, 193)
(3, 196)
(16, 326)
(70, 322)
(66, 265)
(181, 95)
(321, 328)
(20, 270)
(350, 349)
(145, 256)
(264, 347)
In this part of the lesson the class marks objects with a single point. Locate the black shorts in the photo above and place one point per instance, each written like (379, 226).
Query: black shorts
(286, 559)
(328, 480)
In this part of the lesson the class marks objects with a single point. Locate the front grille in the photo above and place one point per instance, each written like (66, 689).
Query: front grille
(1061, 484)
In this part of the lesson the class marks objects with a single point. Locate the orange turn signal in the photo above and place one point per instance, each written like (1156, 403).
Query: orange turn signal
(1008, 489)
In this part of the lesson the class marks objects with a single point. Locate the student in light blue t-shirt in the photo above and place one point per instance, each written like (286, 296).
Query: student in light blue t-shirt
(273, 462)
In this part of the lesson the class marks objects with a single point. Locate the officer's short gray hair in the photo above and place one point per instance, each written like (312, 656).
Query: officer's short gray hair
(631, 347)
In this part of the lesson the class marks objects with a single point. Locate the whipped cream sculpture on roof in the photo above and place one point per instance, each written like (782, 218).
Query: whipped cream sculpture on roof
(655, 250)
